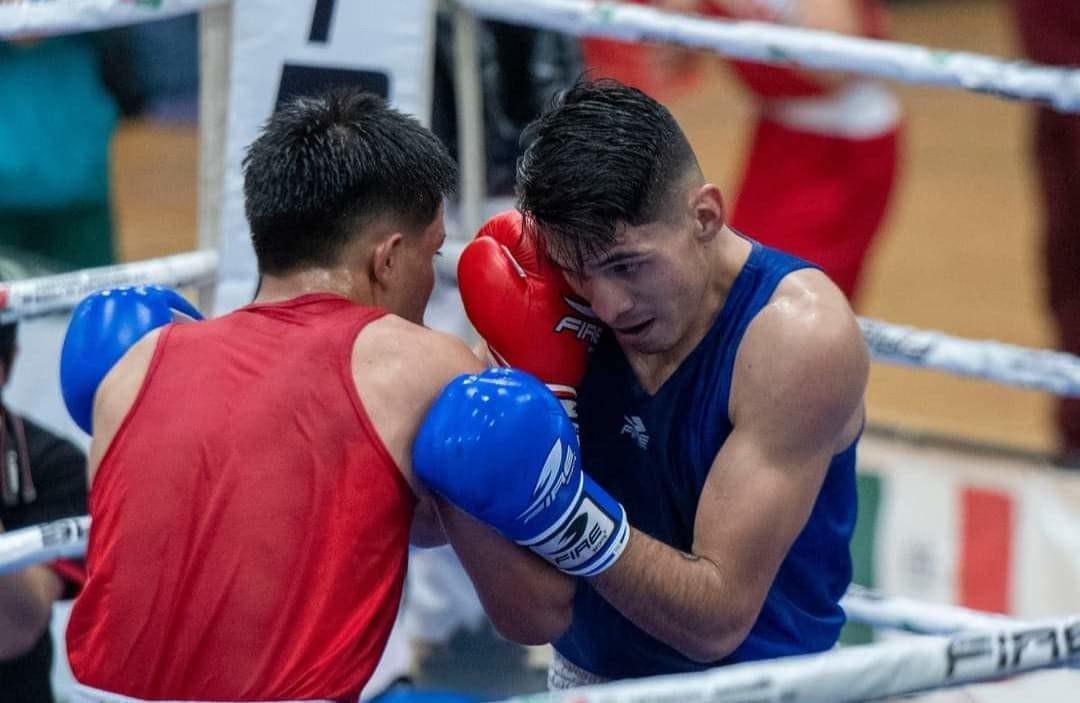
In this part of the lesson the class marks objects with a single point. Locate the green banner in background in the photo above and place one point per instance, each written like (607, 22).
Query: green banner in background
(862, 550)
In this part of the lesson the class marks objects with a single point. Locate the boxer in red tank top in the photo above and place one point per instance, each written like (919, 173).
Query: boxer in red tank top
(252, 491)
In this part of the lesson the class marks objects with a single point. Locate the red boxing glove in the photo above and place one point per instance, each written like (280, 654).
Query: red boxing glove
(521, 305)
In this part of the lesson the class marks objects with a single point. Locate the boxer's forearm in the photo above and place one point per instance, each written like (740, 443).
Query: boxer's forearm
(26, 599)
(678, 598)
(527, 599)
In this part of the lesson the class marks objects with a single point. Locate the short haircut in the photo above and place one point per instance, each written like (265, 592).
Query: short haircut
(603, 155)
(326, 166)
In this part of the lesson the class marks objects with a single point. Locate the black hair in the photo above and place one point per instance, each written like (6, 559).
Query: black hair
(603, 155)
(327, 165)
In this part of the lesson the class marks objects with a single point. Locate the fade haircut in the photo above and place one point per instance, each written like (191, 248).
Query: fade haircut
(326, 166)
(602, 156)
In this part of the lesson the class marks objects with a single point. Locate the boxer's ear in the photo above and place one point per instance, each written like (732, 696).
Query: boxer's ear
(706, 204)
(386, 258)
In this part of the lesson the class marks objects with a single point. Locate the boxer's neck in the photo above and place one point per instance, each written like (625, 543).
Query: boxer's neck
(337, 281)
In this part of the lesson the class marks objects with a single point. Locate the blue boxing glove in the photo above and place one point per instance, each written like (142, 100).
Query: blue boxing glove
(500, 447)
(103, 327)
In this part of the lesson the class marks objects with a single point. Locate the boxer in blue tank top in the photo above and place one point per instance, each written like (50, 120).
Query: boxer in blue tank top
(721, 406)
(654, 452)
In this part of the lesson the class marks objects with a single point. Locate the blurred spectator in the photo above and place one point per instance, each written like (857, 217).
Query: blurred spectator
(55, 131)
(824, 152)
(1050, 34)
(42, 478)
(153, 68)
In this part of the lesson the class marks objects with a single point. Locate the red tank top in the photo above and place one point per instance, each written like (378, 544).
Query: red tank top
(250, 530)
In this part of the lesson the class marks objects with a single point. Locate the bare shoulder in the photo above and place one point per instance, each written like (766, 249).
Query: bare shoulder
(117, 394)
(810, 319)
(424, 358)
(803, 360)
(399, 368)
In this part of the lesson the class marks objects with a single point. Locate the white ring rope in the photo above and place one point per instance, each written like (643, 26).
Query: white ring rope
(1006, 364)
(1056, 372)
(38, 17)
(755, 41)
(885, 612)
(867, 672)
(58, 539)
(850, 674)
(67, 538)
(818, 50)
(32, 297)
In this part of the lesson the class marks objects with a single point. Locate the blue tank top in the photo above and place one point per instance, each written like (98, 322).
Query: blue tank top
(653, 454)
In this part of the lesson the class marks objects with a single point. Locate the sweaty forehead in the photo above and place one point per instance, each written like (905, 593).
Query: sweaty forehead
(630, 242)
(601, 266)
(578, 255)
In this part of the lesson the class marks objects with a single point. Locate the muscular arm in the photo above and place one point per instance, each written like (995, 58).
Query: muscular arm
(115, 396)
(792, 412)
(527, 600)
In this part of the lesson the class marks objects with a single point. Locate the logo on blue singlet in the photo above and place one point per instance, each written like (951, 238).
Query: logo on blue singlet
(636, 429)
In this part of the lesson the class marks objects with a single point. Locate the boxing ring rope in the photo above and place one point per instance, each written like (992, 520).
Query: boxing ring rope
(39, 18)
(67, 537)
(756, 41)
(1005, 364)
(752, 41)
(983, 646)
(33, 297)
(58, 539)
(995, 647)
(35, 18)
(881, 611)
(867, 672)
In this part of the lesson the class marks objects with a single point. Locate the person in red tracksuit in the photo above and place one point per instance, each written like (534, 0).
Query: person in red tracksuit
(824, 155)
(1050, 33)
(253, 494)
